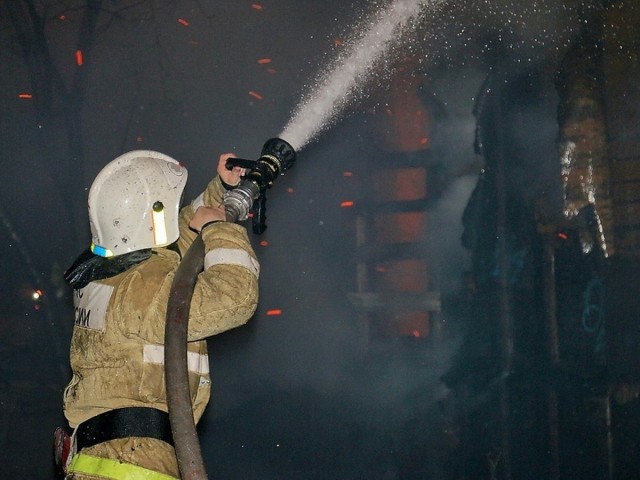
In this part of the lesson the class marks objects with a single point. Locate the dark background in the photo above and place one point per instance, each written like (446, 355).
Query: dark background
(294, 395)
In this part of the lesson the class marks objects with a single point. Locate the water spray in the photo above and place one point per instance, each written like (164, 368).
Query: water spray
(336, 89)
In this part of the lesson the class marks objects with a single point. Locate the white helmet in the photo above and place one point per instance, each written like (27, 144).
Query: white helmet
(134, 203)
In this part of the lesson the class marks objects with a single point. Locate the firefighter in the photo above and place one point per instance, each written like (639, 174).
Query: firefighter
(116, 401)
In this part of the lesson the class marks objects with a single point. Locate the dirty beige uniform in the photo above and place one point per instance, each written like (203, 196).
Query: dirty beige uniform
(117, 353)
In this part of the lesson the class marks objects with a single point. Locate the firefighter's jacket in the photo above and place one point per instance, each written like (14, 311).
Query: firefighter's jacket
(117, 353)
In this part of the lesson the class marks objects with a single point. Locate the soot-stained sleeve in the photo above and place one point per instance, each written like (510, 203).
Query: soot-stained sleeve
(226, 292)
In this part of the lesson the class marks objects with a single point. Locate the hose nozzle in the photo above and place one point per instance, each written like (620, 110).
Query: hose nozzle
(276, 157)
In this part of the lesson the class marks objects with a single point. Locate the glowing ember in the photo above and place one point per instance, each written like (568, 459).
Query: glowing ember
(184, 22)
(347, 204)
(256, 95)
(79, 59)
(256, 6)
(264, 243)
(264, 61)
(26, 96)
(274, 312)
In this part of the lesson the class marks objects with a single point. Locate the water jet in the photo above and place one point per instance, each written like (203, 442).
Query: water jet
(336, 89)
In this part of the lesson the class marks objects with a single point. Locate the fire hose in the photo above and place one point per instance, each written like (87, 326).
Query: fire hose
(276, 157)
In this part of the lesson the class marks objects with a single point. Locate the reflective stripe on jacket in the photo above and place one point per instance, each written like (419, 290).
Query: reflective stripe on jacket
(111, 469)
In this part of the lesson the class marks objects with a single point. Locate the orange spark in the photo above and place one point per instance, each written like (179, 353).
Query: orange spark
(79, 59)
(347, 174)
(25, 96)
(289, 190)
(424, 140)
(347, 204)
(183, 22)
(264, 61)
(562, 235)
(416, 333)
(256, 6)
(256, 95)
(264, 243)
(274, 312)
